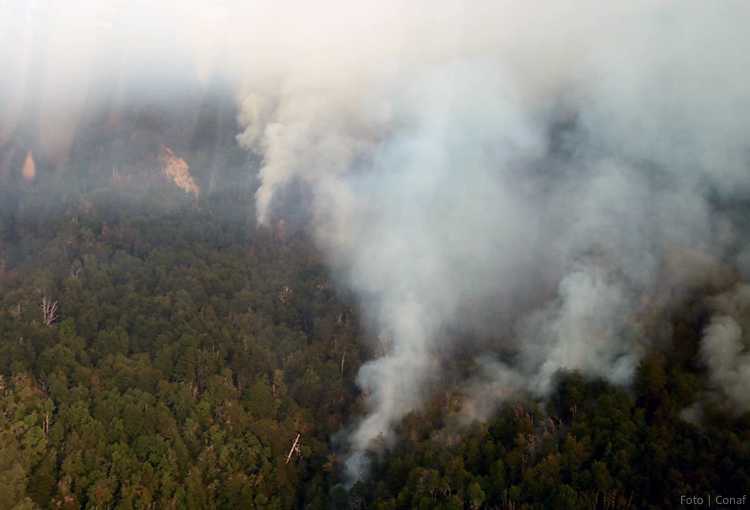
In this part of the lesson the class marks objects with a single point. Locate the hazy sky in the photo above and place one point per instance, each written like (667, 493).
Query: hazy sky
(455, 151)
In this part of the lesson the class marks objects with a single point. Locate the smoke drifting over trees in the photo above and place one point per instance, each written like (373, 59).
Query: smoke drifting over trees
(547, 157)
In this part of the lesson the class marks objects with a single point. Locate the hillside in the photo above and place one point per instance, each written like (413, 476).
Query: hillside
(184, 349)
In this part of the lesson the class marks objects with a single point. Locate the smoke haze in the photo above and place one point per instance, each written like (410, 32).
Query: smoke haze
(725, 344)
(543, 155)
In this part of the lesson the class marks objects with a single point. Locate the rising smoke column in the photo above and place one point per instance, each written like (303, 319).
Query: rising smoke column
(420, 219)
(444, 178)
(724, 349)
(455, 150)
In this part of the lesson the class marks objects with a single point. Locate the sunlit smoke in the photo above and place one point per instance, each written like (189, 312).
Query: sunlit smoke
(453, 150)
(28, 171)
(526, 149)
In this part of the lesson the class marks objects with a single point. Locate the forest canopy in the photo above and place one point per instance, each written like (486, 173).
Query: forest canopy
(187, 349)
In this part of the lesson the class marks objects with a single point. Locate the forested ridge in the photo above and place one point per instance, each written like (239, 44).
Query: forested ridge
(187, 349)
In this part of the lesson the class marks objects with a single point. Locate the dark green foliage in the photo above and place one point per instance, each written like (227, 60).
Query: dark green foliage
(175, 376)
(607, 453)
(192, 347)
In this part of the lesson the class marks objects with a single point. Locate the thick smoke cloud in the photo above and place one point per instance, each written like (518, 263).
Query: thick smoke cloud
(725, 344)
(540, 158)
(575, 144)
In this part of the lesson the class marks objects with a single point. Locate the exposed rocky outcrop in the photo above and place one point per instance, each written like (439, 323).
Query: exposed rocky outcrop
(177, 169)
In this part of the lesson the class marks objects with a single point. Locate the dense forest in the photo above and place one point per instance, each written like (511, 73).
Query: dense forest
(159, 350)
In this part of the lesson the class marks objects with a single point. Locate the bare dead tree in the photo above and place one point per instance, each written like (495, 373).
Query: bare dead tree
(46, 422)
(49, 311)
(552, 428)
(384, 345)
(343, 358)
(295, 448)
(521, 413)
(285, 294)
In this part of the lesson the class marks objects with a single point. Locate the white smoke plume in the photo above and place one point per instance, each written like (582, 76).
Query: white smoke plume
(512, 144)
(727, 359)
(726, 344)
(459, 150)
